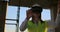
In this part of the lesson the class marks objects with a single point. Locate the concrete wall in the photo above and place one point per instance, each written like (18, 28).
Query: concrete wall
(3, 8)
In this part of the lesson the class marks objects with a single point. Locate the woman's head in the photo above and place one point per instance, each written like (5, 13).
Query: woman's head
(36, 13)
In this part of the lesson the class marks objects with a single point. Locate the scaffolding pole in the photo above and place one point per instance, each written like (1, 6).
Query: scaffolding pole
(18, 14)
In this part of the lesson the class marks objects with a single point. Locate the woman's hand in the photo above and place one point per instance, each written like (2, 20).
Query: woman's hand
(29, 14)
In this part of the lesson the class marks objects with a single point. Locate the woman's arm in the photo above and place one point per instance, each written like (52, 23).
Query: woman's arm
(23, 25)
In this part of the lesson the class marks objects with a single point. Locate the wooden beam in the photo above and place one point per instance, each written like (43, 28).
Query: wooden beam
(3, 8)
(14, 2)
(29, 3)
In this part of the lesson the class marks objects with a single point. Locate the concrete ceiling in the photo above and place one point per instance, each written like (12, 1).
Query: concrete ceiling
(29, 3)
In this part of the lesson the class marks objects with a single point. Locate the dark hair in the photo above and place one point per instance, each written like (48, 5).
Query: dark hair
(37, 9)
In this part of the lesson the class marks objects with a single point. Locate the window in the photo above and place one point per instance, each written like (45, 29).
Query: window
(10, 28)
(11, 14)
(46, 14)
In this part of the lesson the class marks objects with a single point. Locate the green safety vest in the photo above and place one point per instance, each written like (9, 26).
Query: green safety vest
(41, 27)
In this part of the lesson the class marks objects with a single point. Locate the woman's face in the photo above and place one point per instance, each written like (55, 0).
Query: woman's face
(35, 16)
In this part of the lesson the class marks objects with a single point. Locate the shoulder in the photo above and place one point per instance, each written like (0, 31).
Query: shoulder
(30, 21)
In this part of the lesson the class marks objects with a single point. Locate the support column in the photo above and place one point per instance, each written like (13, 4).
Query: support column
(3, 8)
(53, 13)
(58, 9)
(53, 17)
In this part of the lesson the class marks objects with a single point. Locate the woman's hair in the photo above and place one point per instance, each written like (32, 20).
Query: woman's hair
(36, 9)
